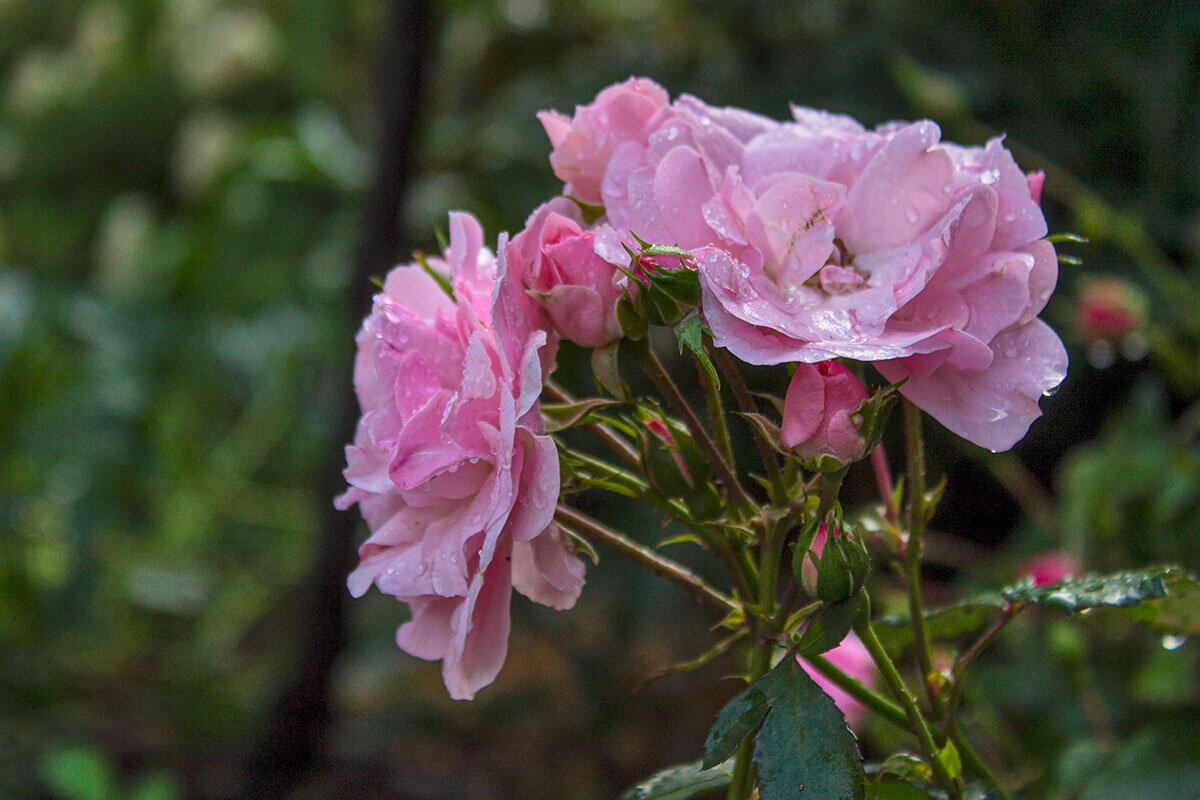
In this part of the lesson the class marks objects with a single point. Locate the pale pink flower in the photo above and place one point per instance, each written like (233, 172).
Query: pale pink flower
(818, 412)
(1050, 567)
(819, 239)
(583, 144)
(450, 466)
(578, 289)
(852, 658)
(926, 259)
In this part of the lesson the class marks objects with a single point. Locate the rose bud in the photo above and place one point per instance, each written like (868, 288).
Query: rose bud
(818, 412)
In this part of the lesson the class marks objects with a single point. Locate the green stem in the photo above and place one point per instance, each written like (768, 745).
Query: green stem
(743, 779)
(615, 442)
(745, 401)
(716, 413)
(859, 691)
(973, 762)
(679, 406)
(915, 447)
(916, 722)
(892, 713)
(678, 574)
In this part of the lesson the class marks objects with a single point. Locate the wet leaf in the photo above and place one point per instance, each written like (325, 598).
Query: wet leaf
(681, 782)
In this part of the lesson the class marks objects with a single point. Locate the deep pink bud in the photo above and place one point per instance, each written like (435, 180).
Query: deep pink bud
(1049, 568)
(1110, 309)
(808, 569)
(818, 411)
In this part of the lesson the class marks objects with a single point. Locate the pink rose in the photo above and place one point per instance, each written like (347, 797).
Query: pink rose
(818, 409)
(926, 259)
(818, 239)
(584, 143)
(579, 289)
(1049, 568)
(450, 466)
(852, 658)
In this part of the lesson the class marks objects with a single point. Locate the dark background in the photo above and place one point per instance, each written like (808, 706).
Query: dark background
(191, 200)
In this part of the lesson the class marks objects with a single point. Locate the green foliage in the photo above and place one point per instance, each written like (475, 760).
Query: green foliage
(681, 782)
(801, 742)
(1164, 597)
(563, 416)
(690, 334)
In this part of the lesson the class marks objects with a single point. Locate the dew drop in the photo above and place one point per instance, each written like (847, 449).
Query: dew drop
(1053, 390)
(911, 215)
(989, 177)
(1173, 642)
(672, 133)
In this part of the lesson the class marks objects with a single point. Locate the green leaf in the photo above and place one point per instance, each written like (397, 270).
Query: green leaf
(740, 717)
(804, 748)
(1179, 612)
(950, 760)
(690, 333)
(560, 416)
(950, 622)
(699, 661)
(906, 765)
(606, 366)
(681, 782)
(1067, 237)
(769, 429)
(79, 773)
(1119, 589)
(633, 324)
(1144, 594)
(830, 625)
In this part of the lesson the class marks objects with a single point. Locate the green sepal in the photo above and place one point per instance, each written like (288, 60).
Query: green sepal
(561, 416)
(606, 366)
(690, 333)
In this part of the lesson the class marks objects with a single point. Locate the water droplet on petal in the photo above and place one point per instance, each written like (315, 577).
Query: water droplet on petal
(911, 215)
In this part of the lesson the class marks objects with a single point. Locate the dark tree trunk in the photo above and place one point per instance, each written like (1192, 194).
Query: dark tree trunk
(293, 737)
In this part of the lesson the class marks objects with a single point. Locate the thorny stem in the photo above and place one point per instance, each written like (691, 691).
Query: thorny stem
(742, 780)
(716, 413)
(676, 573)
(893, 714)
(915, 453)
(679, 406)
(623, 449)
(859, 691)
(745, 401)
(916, 722)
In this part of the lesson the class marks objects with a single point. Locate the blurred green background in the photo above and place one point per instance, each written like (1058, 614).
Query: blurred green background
(182, 186)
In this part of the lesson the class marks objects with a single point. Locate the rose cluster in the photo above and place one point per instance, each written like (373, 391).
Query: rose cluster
(819, 238)
(813, 239)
